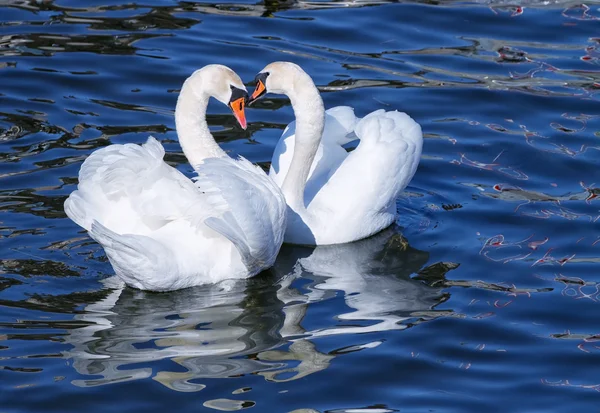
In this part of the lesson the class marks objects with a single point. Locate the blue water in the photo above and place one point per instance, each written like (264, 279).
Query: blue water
(483, 297)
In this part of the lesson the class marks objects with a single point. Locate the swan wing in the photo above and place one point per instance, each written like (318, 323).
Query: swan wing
(255, 218)
(363, 189)
(283, 153)
(147, 216)
(392, 145)
(163, 231)
(140, 261)
(130, 189)
(340, 123)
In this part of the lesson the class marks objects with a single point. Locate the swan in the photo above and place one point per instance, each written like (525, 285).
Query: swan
(162, 231)
(334, 196)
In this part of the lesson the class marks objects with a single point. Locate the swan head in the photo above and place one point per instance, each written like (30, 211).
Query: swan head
(278, 77)
(223, 84)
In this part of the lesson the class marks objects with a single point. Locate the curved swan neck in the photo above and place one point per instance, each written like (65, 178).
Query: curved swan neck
(190, 119)
(310, 120)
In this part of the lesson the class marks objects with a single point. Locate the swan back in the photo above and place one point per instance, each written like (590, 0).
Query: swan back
(359, 198)
(162, 231)
(335, 197)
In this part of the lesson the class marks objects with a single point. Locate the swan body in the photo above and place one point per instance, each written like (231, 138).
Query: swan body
(334, 196)
(162, 231)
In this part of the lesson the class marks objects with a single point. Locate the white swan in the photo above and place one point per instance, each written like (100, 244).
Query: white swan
(162, 231)
(335, 196)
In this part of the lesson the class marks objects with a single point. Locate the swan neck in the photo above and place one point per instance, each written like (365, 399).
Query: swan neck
(190, 119)
(310, 120)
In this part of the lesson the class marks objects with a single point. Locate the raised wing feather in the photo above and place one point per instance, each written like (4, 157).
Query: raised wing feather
(162, 231)
(363, 189)
(392, 143)
(129, 187)
(255, 219)
(384, 162)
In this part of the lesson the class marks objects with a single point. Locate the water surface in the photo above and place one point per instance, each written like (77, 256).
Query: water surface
(483, 297)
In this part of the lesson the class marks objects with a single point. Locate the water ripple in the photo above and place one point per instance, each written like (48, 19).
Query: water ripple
(489, 282)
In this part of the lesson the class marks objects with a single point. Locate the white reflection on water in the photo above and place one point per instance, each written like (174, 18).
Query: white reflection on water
(251, 326)
(373, 275)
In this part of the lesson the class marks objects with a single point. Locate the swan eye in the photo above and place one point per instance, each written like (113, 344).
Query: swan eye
(262, 77)
(237, 94)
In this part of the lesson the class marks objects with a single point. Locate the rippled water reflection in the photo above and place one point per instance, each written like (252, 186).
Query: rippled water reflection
(483, 298)
(203, 328)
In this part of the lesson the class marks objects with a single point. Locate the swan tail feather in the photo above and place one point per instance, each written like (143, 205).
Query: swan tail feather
(76, 209)
(141, 262)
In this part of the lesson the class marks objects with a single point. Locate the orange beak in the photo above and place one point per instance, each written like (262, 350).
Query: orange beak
(237, 107)
(258, 91)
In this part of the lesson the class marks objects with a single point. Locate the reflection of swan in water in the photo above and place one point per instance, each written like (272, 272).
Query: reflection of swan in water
(240, 327)
(373, 275)
(199, 328)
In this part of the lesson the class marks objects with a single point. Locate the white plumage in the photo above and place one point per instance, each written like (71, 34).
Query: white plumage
(335, 196)
(162, 231)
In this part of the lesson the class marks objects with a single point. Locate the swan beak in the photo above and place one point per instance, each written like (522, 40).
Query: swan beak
(258, 91)
(237, 107)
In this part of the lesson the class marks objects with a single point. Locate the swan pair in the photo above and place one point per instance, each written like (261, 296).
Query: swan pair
(162, 231)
